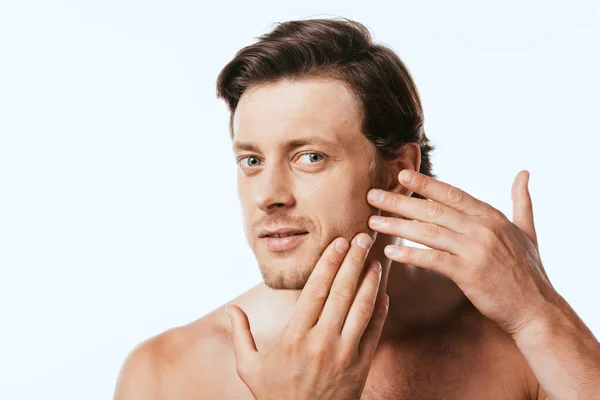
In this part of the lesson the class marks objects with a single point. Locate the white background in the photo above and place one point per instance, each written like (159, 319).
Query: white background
(119, 216)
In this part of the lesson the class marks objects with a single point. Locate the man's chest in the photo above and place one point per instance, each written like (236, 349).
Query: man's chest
(429, 383)
(445, 372)
(402, 377)
(429, 367)
(424, 383)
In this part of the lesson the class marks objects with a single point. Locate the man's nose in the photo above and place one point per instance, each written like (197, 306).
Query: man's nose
(273, 189)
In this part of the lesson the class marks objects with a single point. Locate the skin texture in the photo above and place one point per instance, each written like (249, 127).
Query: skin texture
(435, 343)
(287, 188)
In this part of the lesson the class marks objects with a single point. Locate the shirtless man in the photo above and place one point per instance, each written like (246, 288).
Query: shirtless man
(472, 316)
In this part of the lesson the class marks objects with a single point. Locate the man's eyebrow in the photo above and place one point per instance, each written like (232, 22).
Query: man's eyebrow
(289, 145)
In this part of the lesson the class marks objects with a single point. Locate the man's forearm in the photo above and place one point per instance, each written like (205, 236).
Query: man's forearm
(563, 353)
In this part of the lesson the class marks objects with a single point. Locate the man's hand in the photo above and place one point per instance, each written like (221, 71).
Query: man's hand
(495, 262)
(326, 348)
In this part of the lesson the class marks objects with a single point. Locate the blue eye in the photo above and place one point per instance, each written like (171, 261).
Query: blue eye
(313, 158)
(252, 161)
(251, 158)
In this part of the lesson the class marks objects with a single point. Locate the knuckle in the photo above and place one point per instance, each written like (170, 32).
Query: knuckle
(364, 307)
(241, 369)
(495, 216)
(478, 256)
(483, 233)
(292, 342)
(455, 195)
(319, 348)
(244, 369)
(343, 291)
(436, 257)
(290, 339)
(501, 221)
(319, 291)
(433, 230)
(434, 210)
(488, 236)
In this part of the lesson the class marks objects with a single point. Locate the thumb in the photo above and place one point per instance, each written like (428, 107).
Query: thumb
(241, 336)
(522, 205)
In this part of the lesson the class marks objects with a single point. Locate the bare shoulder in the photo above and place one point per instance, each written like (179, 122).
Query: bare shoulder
(138, 377)
(190, 361)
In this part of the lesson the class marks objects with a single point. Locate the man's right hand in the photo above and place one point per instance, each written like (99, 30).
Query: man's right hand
(326, 348)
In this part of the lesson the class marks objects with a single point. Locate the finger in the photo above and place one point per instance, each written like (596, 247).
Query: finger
(419, 209)
(436, 260)
(315, 292)
(244, 345)
(370, 338)
(428, 234)
(362, 307)
(443, 193)
(344, 285)
(522, 205)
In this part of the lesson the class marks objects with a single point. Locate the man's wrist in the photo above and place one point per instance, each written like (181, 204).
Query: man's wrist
(555, 321)
(562, 352)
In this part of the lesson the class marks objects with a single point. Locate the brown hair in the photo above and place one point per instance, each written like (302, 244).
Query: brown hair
(340, 49)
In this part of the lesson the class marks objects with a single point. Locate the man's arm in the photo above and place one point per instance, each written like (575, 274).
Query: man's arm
(138, 378)
(563, 354)
(497, 265)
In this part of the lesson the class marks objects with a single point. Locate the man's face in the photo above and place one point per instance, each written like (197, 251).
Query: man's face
(304, 165)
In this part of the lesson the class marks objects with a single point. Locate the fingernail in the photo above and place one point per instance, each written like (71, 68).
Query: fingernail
(393, 251)
(407, 176)
(363, 241)
(228, 311)
(376, 265)
(341, 245)
(375, 195)
(376, 220)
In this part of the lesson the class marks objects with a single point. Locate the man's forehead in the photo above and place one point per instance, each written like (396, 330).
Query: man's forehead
(298, 111)
(298, 95)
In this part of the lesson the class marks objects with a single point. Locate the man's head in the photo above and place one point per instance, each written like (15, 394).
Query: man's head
(319, 115)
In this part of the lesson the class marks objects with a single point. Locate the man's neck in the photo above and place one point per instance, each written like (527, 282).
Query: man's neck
(418, 297)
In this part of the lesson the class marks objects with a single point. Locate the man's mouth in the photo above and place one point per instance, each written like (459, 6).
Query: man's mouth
(278, 242)
(280, 235)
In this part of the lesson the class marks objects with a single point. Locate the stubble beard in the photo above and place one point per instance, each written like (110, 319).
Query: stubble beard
(278, 277)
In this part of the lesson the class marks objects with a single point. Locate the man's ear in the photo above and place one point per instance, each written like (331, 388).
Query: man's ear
(409, 157)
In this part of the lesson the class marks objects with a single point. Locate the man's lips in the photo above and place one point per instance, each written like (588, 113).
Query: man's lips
(284, 243)
(280, 231)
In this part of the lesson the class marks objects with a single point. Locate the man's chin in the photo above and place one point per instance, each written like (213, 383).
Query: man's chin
(282, 278)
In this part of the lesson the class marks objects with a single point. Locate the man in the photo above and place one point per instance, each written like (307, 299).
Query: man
(320, 118)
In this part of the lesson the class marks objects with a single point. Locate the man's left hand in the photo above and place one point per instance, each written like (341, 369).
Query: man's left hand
(495, 262)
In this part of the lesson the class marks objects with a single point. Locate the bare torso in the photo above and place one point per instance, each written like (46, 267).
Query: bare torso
(469, 358)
